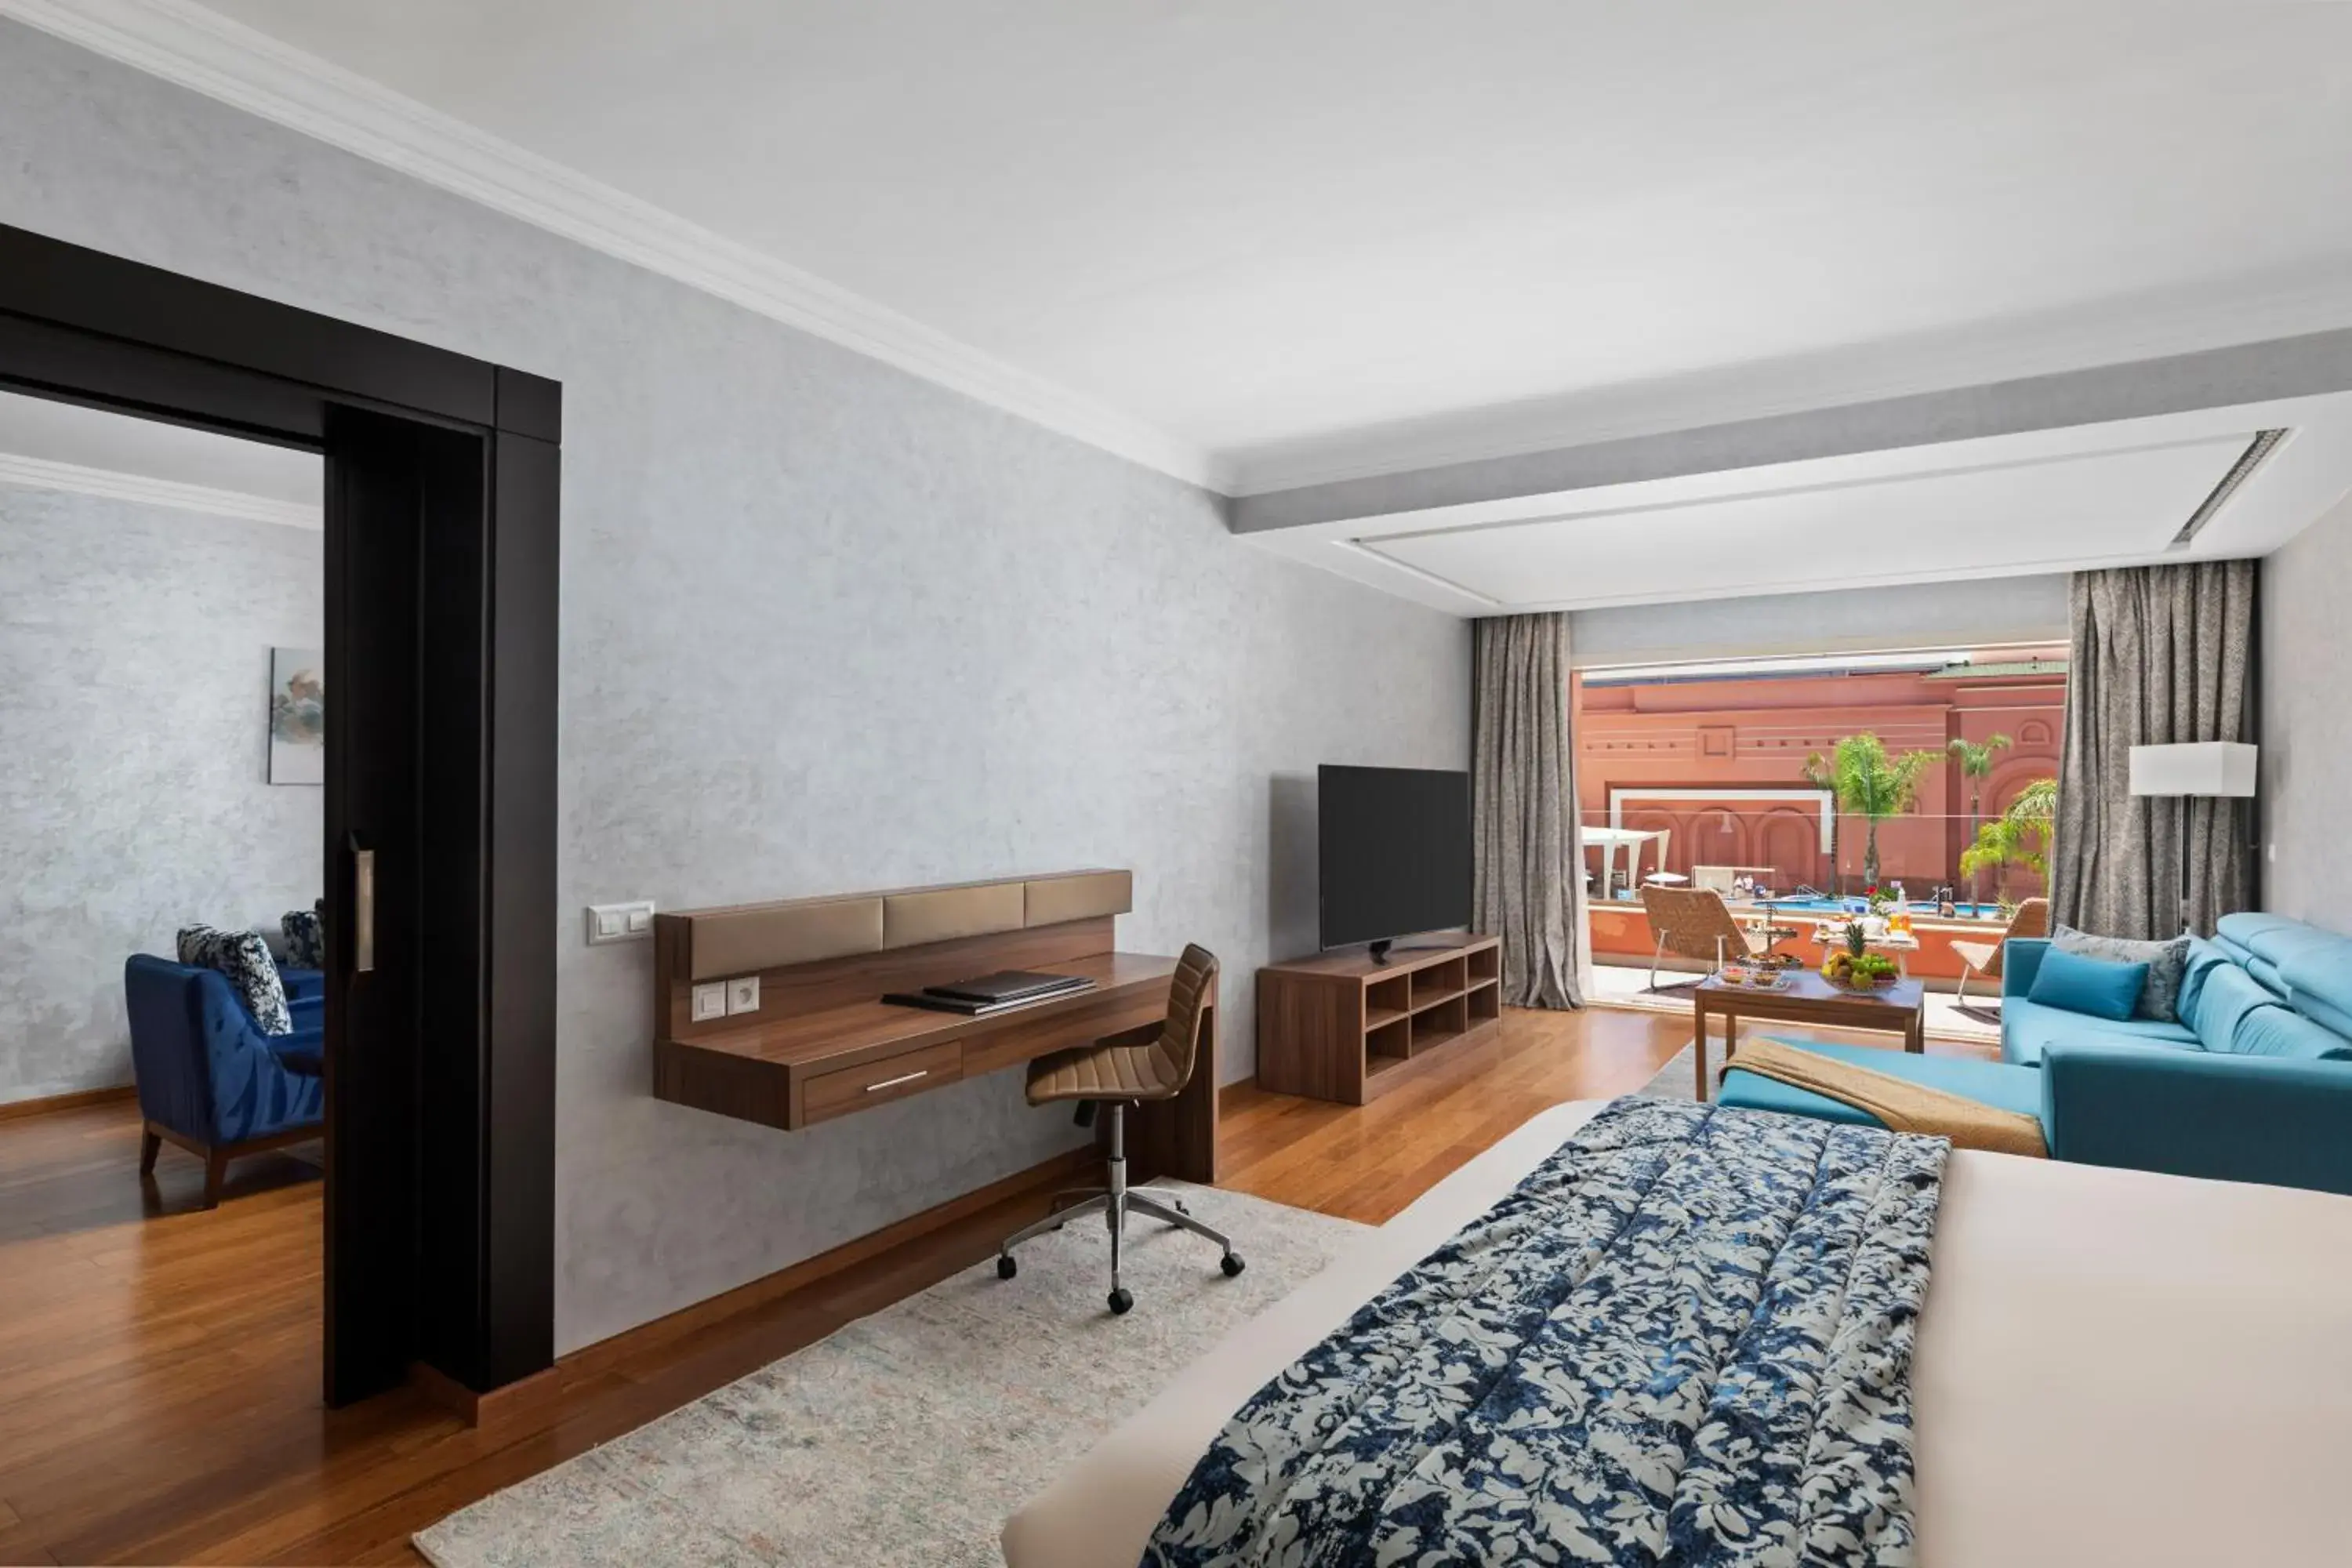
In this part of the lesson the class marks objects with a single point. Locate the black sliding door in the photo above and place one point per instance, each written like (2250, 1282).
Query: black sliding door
(441, 566)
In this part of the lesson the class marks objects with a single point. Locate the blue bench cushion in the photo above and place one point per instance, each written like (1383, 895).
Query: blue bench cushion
(2027, 1030)
(1987, 1083)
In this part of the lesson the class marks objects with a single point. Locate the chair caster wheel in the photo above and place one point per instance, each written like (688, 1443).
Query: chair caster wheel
(1120, 1302)
(1232, 1264)
(1006, 1267)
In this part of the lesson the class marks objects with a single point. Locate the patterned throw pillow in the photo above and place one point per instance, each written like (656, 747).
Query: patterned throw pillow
(306, 939)
(244, 958)
(2159, 995)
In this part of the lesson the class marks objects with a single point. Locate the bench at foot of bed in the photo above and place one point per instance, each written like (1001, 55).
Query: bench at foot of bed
(2186, 1113)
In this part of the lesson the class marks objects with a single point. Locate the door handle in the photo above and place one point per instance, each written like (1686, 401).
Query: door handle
(363, 908)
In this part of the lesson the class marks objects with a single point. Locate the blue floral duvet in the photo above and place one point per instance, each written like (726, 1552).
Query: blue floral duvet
(1685, 1338)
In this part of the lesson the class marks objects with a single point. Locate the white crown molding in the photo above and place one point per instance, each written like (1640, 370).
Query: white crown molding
(225, 59)
(39, 473)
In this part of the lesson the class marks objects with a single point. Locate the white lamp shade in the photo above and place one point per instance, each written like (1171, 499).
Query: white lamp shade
(2201, 768)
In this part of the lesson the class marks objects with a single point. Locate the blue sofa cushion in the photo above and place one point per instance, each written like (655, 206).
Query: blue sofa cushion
(2204, 957)
(2230, 996)
(2276, 1031)
(2320, 983)
(244, 958)
(2166, 961)
(2103, 988)
(1989, 1083)
(2028, 1031)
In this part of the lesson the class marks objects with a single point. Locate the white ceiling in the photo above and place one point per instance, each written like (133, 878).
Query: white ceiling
(65, 446)
(1326, 237)
(1269, 246)
(2112, 494)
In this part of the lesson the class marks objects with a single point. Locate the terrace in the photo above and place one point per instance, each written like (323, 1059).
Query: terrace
(1703, 775)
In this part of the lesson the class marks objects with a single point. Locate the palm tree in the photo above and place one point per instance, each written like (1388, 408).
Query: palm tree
(2017, 837)
(1867, 782)
(1976, 765)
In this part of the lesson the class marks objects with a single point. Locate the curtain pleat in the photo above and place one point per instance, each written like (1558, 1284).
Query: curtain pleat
(2160, 654)
(1523, 807)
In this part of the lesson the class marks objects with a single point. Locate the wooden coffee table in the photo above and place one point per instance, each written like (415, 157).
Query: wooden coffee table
(1898, 1009)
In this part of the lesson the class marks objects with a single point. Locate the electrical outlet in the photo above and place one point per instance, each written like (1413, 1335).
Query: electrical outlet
(709, 1001)
(743, 995)
(631, 921)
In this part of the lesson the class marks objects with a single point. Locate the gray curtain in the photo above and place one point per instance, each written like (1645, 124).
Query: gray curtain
(1523, 806)
(2162, 655)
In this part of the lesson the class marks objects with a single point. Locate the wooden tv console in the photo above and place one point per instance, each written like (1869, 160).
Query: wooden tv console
(1340, 1026)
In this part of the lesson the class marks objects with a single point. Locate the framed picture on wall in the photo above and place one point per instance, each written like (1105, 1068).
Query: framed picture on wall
(298, 715)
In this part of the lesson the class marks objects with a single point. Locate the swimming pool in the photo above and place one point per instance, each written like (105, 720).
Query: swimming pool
(1823, 906)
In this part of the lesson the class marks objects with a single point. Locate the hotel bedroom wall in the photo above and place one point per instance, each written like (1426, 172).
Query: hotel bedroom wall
(134, 758)
(824, 626)
(2306, 788)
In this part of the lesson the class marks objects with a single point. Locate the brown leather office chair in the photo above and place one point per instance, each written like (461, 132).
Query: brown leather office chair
(1116, 1076)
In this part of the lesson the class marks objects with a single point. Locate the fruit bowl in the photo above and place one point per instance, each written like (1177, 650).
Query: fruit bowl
(1859, 971)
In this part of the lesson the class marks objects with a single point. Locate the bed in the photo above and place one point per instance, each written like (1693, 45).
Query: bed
(2111, 1367)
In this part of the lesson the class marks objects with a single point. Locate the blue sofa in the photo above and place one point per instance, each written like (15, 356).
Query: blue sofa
(2253, 1085)
(208, 1078)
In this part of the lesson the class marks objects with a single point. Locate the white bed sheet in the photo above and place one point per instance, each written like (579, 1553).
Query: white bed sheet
(2113, 1367)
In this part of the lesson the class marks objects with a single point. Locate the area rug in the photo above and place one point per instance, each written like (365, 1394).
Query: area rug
(1675, 1079)
(911, 1435)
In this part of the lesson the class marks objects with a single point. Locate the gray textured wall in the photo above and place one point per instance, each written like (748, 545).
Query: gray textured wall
(134, 677)
(824, 627)
(2306, 736)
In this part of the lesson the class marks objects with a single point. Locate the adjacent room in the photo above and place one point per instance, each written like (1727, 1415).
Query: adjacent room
(1074, 786)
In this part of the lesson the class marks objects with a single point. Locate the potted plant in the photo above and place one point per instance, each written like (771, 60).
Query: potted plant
(1867, 781)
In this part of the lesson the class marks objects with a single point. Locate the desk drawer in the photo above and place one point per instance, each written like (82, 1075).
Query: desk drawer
(846, 1090)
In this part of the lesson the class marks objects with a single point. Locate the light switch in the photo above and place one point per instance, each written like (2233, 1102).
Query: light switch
(743, 995)
(709, 1001)
(632, 922)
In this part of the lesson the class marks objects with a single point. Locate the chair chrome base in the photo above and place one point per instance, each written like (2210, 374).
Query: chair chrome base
(1114, 1203)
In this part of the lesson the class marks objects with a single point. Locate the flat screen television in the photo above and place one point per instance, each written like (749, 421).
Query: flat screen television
(1393, 846)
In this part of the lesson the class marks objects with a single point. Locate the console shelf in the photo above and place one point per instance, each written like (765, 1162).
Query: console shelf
(1340, 1026)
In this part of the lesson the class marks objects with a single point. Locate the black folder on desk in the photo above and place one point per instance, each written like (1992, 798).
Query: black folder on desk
(991, 993)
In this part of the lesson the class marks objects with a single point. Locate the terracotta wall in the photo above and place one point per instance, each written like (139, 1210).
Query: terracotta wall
(1756, 733)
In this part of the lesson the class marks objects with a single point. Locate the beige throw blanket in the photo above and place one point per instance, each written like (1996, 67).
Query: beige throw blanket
(1902, 1106)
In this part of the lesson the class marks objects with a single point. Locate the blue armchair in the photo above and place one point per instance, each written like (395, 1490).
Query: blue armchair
(209, 1079)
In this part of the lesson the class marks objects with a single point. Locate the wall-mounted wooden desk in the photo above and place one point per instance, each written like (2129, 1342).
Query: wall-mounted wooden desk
(824, 1043)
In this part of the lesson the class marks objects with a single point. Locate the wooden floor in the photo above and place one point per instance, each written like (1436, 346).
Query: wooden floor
(159, 1364)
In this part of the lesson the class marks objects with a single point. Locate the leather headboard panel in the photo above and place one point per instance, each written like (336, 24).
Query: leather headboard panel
(753, 938)
(1080, 895)
(942, 914)
(769, 936)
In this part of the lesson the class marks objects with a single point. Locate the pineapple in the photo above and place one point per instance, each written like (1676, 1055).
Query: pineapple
(1838, 967)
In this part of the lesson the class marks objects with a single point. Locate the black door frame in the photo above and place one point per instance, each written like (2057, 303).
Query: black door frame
(441, 1203)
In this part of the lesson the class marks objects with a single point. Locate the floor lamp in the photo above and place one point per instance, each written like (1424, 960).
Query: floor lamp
(2196, 770)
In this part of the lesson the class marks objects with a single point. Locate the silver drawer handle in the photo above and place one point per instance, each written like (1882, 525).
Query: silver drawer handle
(895, 1082)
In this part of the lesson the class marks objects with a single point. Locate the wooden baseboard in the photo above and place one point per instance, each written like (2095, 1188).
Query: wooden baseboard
(516, 1403)
(74, 1101)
